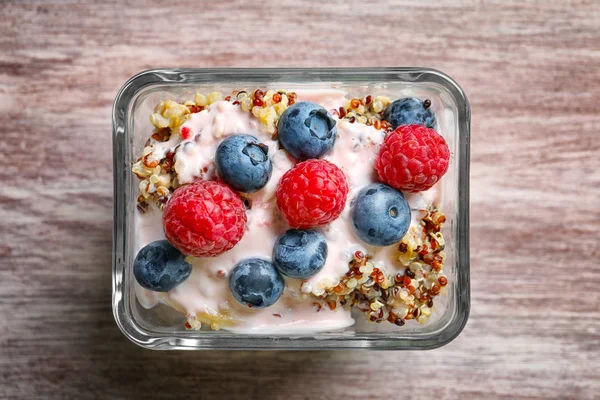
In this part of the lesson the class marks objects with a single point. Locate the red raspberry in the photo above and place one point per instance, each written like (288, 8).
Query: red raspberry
(412, 158)
(312, 193)
(204, 219)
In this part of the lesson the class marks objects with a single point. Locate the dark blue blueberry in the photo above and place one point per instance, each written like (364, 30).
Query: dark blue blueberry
(306, 130)
(380, 215)
(243, 163)
(409, 111)
(300, 253)
(160, 267)
(256, 283)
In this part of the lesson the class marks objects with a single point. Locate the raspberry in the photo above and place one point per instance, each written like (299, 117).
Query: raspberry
(312, 193)
(204, 219)
(412, 158)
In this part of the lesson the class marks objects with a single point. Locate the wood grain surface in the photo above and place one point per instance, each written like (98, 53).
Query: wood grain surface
(532, 73)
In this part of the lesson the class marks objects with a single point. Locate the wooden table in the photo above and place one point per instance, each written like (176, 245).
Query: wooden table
(532, 74)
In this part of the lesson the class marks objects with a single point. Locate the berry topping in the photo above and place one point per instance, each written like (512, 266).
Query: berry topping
(409, 111)
(204, 219)
(160, 267)
(243, 163)
(256, 283)
(412, 158)
(306, 130)
(312, 193)
(300, 253)
(380, 215)
(186, 132)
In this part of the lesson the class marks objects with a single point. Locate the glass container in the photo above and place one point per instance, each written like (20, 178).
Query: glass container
(162, 327)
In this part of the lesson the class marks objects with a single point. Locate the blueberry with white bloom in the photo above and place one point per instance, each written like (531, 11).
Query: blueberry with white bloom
(255, 283)
(243, 163)
(300, 253)
(409, 111)
(380, 215)
(306, 130)
(160, 267)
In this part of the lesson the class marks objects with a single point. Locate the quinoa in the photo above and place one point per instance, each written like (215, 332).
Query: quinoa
(367, 110)
(407, 294)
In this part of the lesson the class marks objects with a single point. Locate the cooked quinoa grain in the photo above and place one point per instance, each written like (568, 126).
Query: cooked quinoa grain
(408, 294)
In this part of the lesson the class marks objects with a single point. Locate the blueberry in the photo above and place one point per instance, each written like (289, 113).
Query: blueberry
(160, 267)
(300, 253)
(409, 111)
(243, 163)
(256, 283)
(306, 130)
(380, 215)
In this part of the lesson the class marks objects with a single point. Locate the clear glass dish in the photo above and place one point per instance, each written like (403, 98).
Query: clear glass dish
(162, 327)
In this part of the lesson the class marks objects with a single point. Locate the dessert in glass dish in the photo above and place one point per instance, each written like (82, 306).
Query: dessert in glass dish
(294, 210)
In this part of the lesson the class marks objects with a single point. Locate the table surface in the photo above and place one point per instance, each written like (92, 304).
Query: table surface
(531, 71)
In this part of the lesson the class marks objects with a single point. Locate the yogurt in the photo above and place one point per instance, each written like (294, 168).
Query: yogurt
(206, 291)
